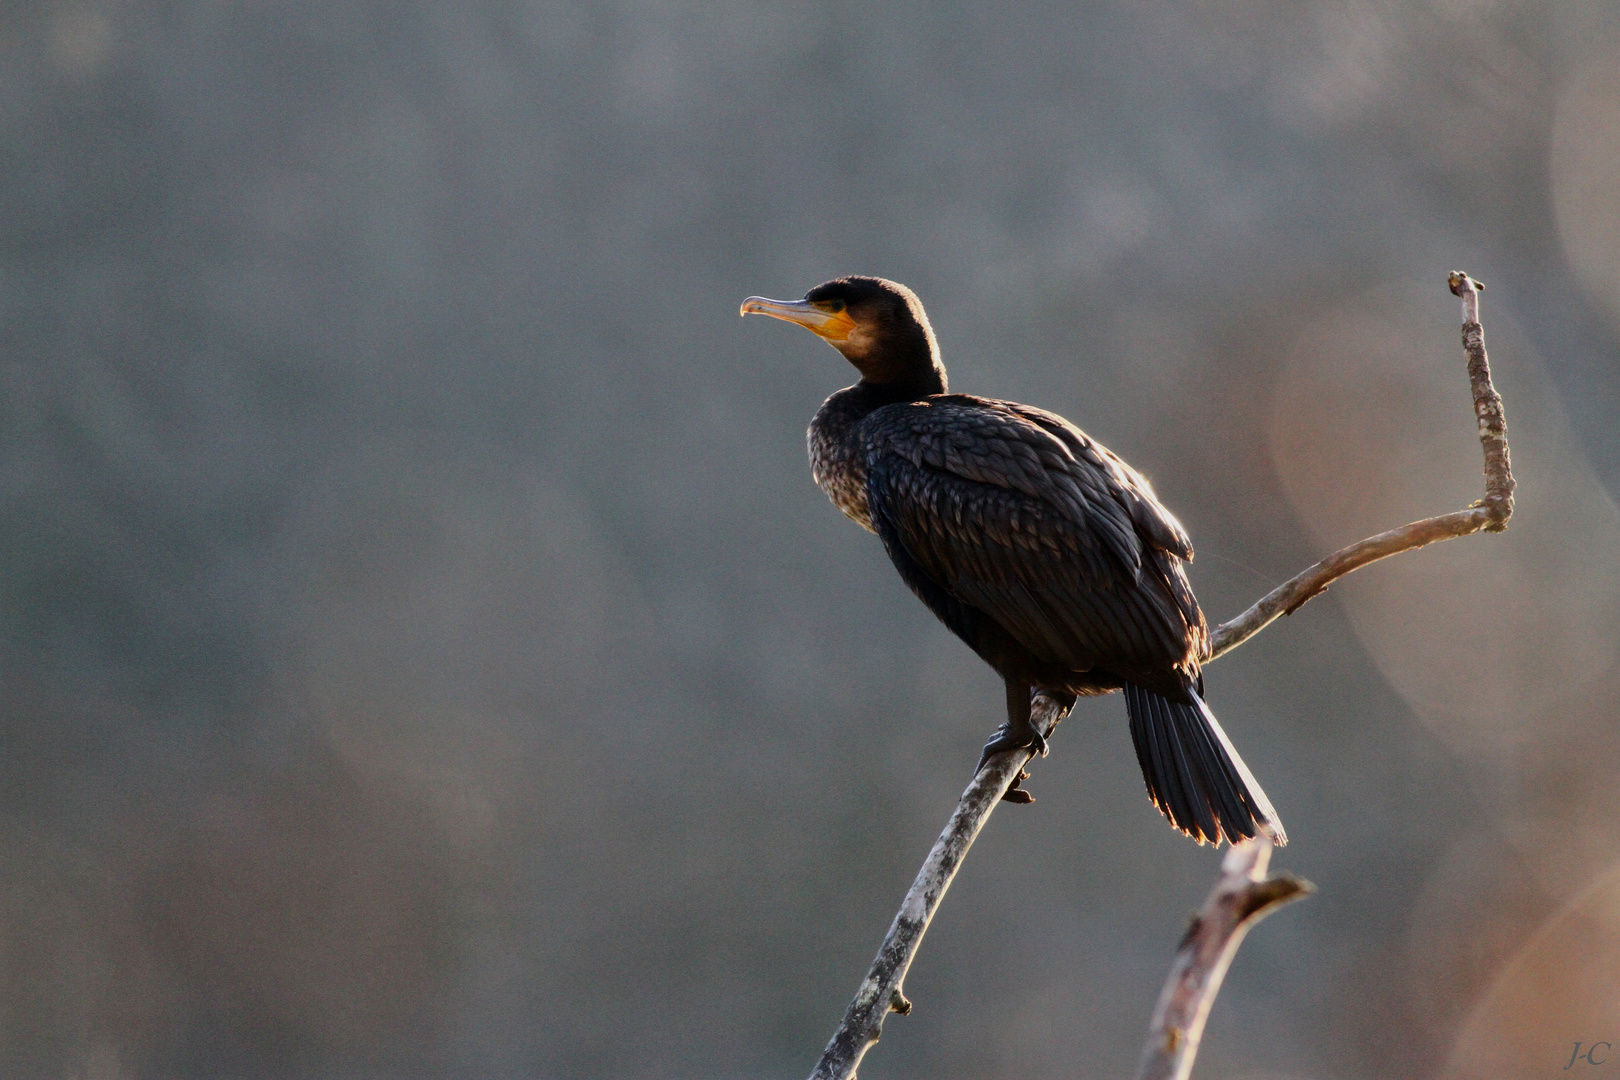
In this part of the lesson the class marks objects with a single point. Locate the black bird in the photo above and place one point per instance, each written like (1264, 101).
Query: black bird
(1042, 550)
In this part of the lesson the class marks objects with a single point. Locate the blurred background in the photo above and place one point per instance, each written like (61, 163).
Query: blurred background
(424, 652)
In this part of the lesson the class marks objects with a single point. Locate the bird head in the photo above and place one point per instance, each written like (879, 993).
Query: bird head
(878, 325)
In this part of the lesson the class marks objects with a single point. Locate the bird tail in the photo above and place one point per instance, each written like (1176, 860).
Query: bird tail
(1194, 773)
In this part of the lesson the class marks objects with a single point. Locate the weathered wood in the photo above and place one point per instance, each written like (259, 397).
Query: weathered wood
(1242, 896)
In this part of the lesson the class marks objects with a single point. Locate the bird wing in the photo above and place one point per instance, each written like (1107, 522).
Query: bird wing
(1156, 524)
(1017, 513)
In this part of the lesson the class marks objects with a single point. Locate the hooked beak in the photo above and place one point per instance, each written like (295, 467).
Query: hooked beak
(833, 327)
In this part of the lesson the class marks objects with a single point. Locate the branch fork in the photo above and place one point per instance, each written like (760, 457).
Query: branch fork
(1243, 895)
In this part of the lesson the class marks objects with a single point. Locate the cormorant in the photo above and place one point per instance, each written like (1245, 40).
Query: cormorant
(1037, 546)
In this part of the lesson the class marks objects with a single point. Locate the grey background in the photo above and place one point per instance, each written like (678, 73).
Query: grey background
(424, 653)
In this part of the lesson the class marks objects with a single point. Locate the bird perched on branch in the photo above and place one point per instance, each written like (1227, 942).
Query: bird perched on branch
(1042, 550)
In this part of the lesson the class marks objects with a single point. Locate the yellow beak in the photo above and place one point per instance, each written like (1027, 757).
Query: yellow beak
(834, 327)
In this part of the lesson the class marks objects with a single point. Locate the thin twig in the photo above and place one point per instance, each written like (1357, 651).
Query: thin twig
(881, 992)
(1242, 896)
(1490, 514)
(1292, 594)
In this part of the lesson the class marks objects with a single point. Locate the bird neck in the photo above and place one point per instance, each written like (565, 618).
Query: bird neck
(901, 360)
(912, 386)
(835, 422)
(852, 404)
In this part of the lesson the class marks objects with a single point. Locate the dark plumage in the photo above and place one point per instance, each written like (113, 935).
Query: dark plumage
(1043, 551)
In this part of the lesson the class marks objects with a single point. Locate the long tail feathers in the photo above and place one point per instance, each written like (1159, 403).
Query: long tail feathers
(1194, 773)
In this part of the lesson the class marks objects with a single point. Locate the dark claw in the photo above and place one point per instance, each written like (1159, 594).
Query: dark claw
(1005, 740)
(1015, 792)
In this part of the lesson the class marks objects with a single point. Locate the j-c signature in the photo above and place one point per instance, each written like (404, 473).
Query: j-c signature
(1596, 1054)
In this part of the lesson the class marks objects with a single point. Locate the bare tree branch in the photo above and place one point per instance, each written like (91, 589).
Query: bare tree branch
(880, 992)
(1242, 896)
(1199, 965)
(1490, 514)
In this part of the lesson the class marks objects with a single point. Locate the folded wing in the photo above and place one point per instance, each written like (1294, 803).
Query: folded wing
(1020, 515)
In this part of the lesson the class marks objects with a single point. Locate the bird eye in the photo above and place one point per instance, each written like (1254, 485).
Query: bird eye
(832, 306)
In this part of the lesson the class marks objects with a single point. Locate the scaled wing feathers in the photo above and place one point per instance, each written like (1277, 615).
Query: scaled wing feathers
(1017, 513)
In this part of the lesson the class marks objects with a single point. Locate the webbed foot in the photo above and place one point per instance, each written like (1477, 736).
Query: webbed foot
(1016, 734)
(1008, 737)
(1015, 792)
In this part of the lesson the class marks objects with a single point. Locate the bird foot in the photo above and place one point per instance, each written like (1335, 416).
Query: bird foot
(1015, 792)
(1006, 738)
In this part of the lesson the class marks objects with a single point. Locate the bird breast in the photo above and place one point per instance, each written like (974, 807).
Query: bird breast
(837, 461)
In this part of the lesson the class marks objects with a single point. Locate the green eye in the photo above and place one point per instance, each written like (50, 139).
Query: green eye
(833, 306)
